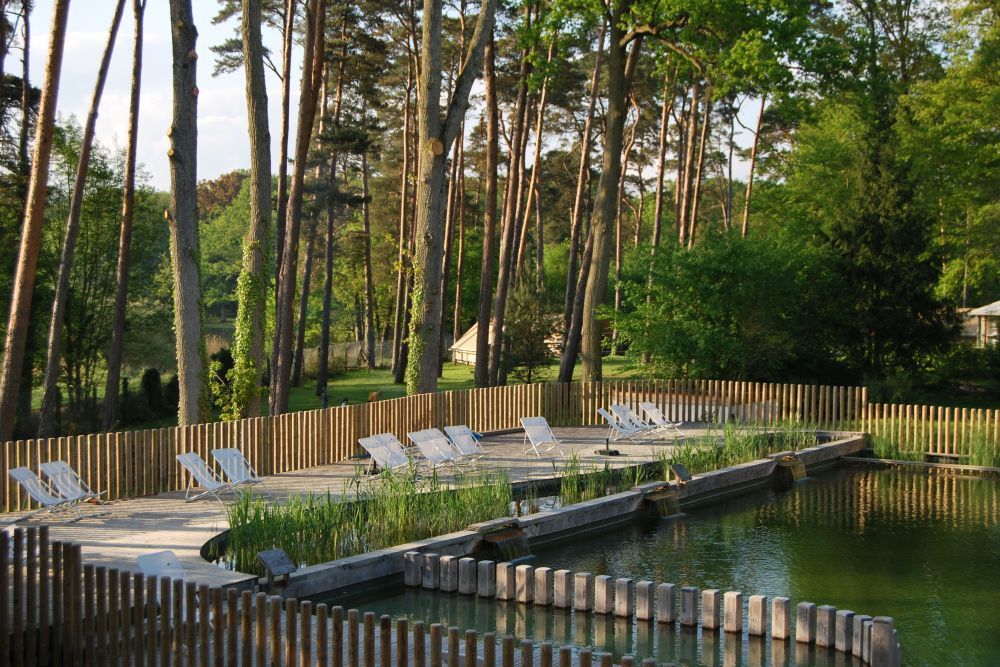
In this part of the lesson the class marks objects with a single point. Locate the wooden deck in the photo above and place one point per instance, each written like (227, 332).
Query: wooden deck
(114, 534)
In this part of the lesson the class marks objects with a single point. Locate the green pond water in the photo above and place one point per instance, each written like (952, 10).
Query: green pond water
(922, 548)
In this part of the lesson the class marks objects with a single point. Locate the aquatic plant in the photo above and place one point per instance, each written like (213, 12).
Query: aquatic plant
(371, 514)
(983, 450)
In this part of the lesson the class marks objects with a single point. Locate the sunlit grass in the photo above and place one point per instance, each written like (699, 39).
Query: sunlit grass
(371, 514)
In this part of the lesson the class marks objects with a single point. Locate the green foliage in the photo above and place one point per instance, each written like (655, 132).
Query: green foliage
(527, 328)
(760, 307)
(243, 379)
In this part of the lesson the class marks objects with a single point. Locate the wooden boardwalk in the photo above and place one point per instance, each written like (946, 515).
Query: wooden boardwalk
(114, 534)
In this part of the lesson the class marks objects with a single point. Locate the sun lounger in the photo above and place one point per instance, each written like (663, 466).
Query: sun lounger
(538, 437)
(67, 482)
(236, 467)
(41, 493)
(465, 441)
(435, 448)
(161, 564)
(383, 453)
(660, 422)
(621, 430)
(202, 476)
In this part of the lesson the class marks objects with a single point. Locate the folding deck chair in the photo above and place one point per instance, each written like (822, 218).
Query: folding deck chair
(67, 482)
(465, 441)
(538, 437)
(236, 467)
(204, 476)
(660, 422)
(435, 448)
(383, 454)
(41, 493)
(621, 430)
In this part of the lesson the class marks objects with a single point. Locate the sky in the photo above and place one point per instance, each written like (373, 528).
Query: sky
(223, 144)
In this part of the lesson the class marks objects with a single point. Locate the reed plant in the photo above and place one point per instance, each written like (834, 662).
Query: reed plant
(738, 443)
(983, 449)
(577, 484)
(371, 514)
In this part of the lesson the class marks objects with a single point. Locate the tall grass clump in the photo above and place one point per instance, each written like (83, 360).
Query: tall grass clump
(739, 443)
(577, 485)
(372, 514)
(983, 450)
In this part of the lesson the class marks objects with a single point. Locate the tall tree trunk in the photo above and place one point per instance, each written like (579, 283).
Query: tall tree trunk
(607, 189)
(183, 218)
(404, 203)
(312, 75)
(287, 44)
(508, 243)
(22, 144)
(47, 418)
(535, 168)
(298, 358)
(685, 183)
(251, 295)
(31, 233)
(489, 220)
(451, 199)
(745, 224)
(369, 278)
(323, 369)
(579, 199)
(619, 220)
(572, 348)
(125, 232)
(460, 263)
(706, 122)
(435, 138)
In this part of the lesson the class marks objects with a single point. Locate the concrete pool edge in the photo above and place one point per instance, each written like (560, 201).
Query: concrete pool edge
(350, 573)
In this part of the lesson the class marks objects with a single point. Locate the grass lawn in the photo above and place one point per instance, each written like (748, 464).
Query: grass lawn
(358, 383)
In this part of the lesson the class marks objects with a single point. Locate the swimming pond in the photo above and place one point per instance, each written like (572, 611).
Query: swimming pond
(922, 548)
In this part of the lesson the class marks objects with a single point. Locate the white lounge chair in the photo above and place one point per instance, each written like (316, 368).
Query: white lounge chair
(384, 455)
(202, 476)
(626, 415)
(538, 437)
(236, 467)
(161, 564)
(465, 441)
(659, 421)
(435, 448)
(620, 430)
(41, 493)
(67, 482)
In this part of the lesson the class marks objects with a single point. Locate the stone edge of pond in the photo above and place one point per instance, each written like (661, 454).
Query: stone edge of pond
(350, 573)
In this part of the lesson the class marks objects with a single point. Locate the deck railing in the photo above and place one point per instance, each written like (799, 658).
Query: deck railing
(136, 463)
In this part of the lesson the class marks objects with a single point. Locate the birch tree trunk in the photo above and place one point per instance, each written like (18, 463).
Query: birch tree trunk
(435, 138)
(312, 75)
(183, 219)
(31, 232)
(47, 418)
(489, 220)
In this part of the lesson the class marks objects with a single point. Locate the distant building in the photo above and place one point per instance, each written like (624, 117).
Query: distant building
(987, 320)
(464, 349)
